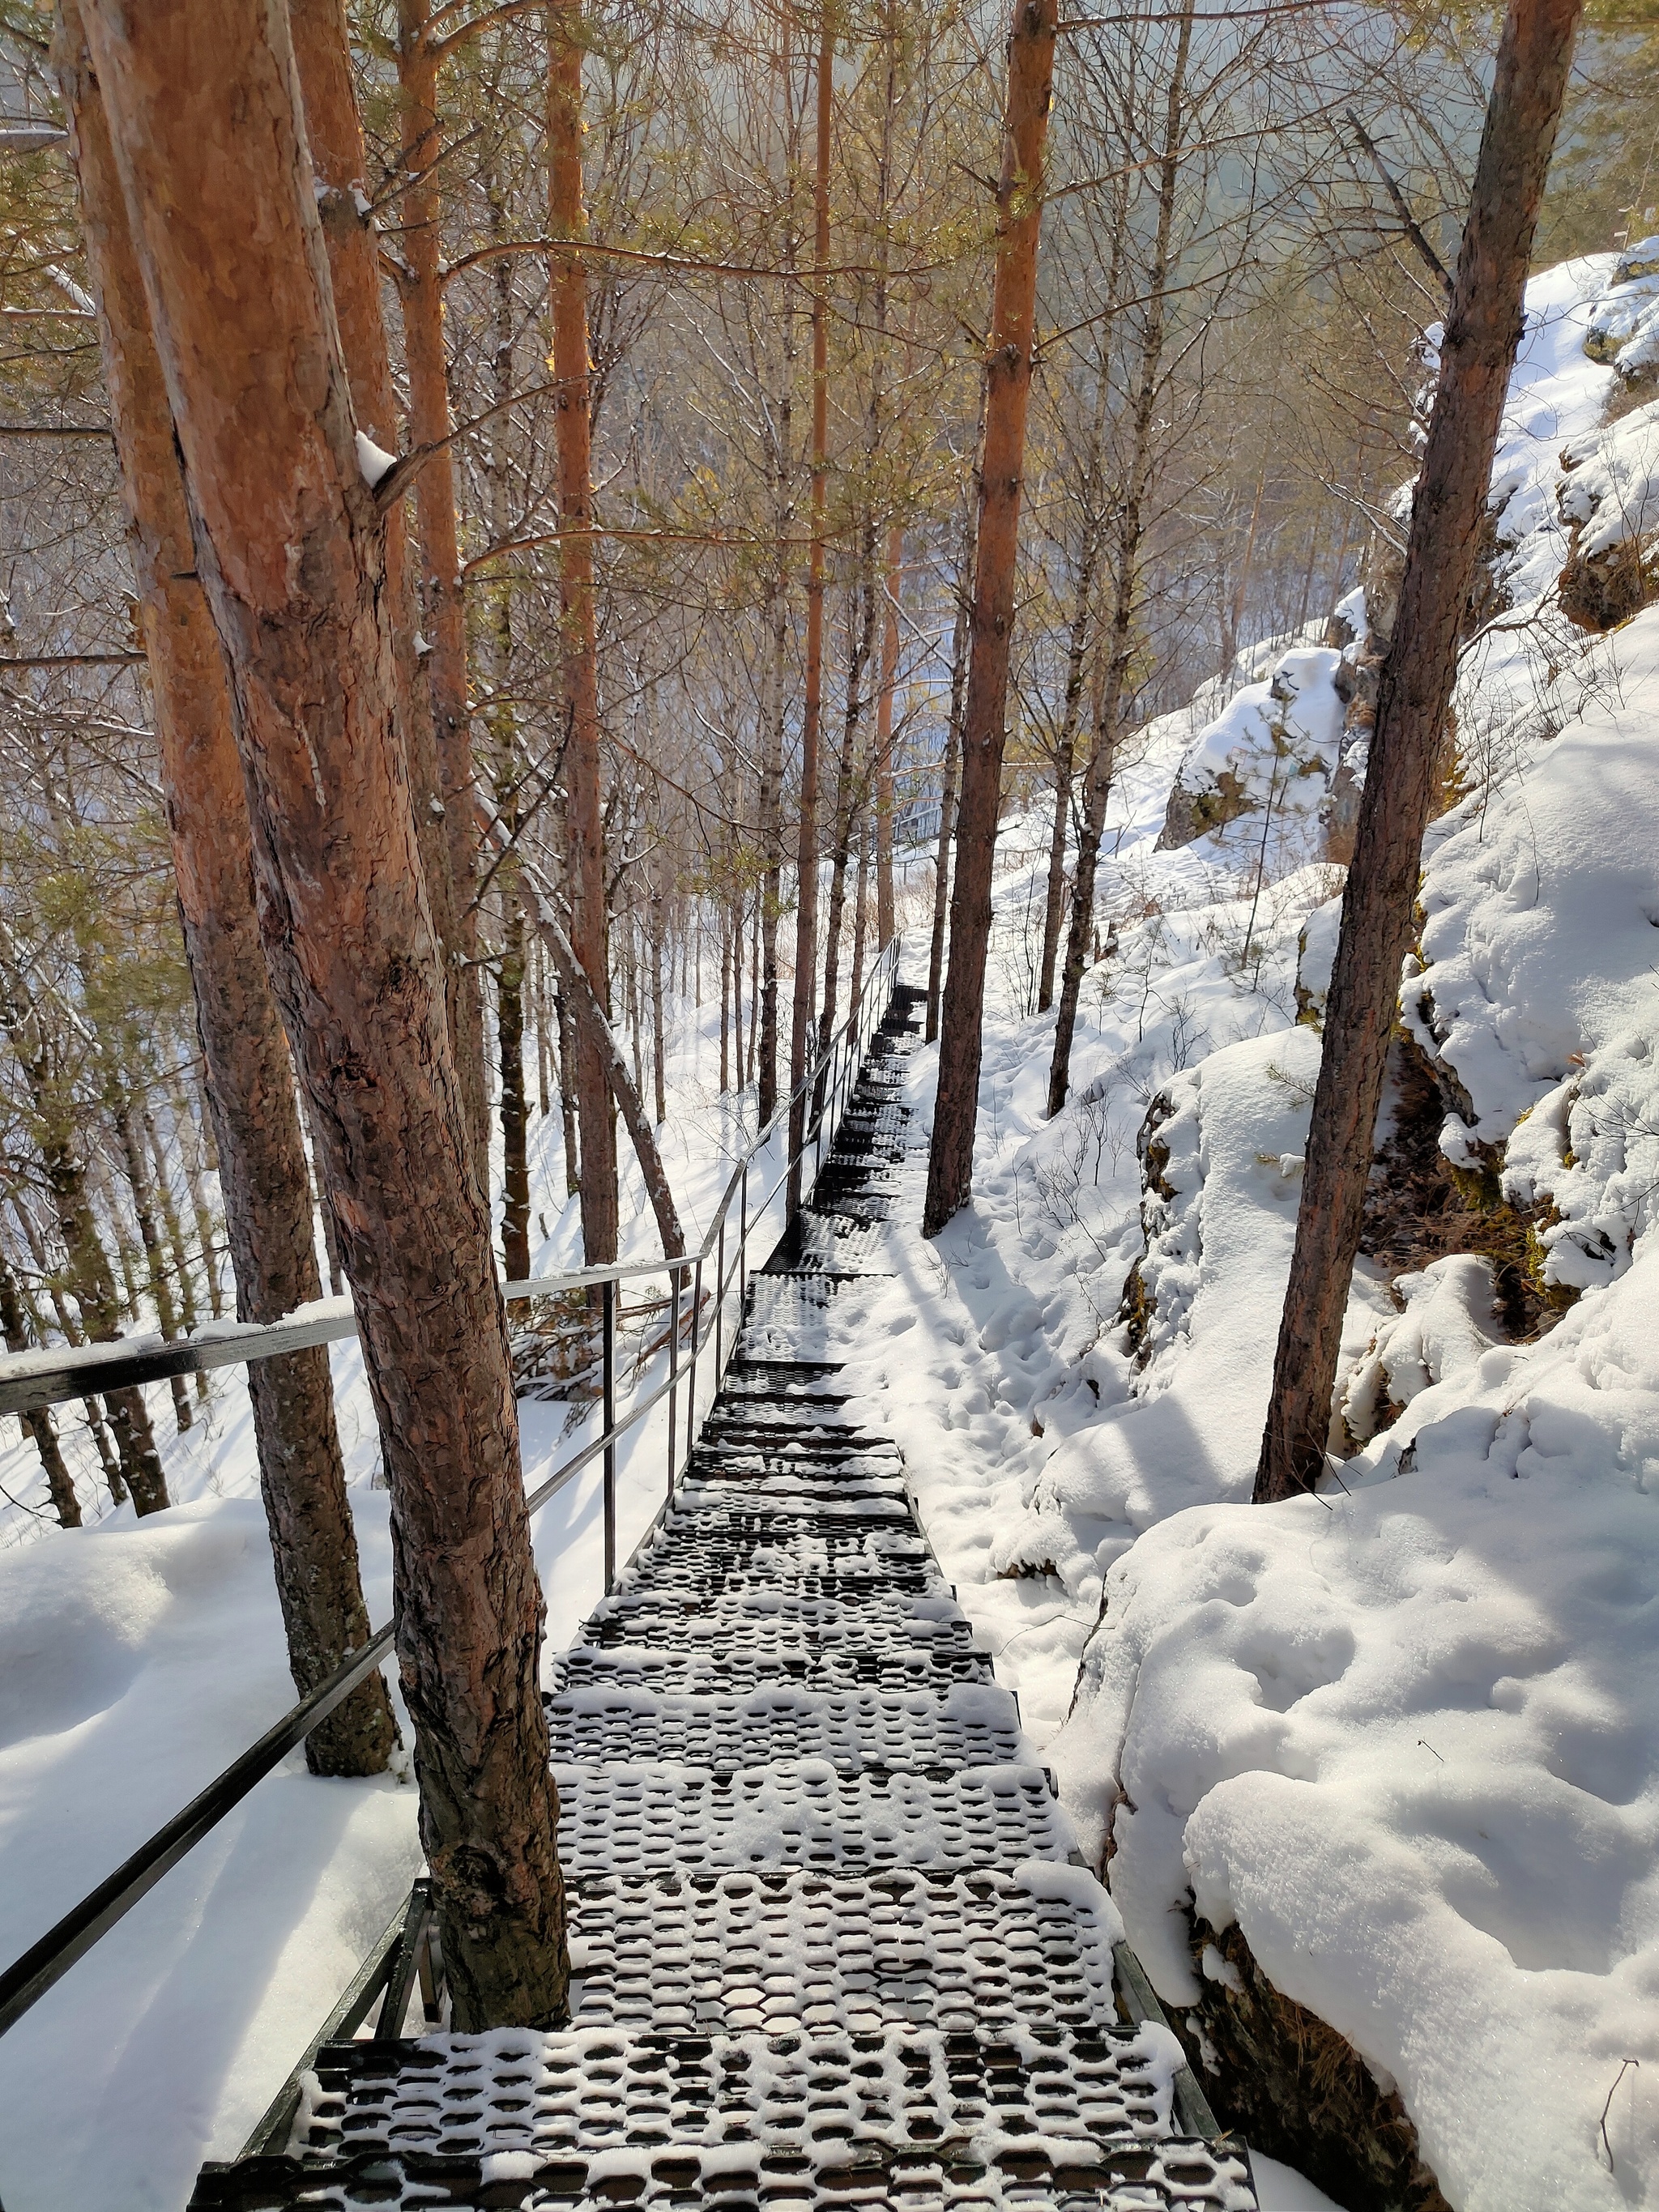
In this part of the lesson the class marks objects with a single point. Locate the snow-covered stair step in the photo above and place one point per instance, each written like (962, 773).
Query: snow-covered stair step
(860, 1628)
(734, 1553)
(809, 1429)
(775, 1443)
(977, 1950)
(649, 1818)
(827, 1947)
(968, 1725)
(708, 1671)
(793, 1487)
(790, 1499)
(841, 1242)
(833, 2106)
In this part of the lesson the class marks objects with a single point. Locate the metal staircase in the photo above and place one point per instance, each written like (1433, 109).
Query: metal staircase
(831, 1944)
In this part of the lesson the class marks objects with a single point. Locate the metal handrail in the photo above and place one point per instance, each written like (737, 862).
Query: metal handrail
(56, 1374)
(27, 1979)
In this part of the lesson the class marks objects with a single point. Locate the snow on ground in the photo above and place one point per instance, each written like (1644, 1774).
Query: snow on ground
(1404, 1734)
(138, 1658)
(1406, 1737)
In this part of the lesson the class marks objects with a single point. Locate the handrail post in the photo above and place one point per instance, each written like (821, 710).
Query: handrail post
(691, 1383)
(720, 1300)
(610, 1411)
(743, 1240)
(674, 1274)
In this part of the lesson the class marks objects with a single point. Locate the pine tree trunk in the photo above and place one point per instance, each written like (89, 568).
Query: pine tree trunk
(861, 622)
(178, 1264)
(443, 620)
(1013, 318)
(1114, 675)
(951, 766)
(659, 1073)
(39, 1423)
(1076, 646)
(200, 95)
(568, 1122)
(155, 1265)
(891, 584)
(322, 49)
(509, 1038)
(860, 904)
(88, 1276)
(568, 277)
(262, 1165)
(184, 1120)
(1448, 513)
(807, 835)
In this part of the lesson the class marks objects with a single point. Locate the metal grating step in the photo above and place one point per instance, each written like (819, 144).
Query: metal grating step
(836, 2104)
(813, 1565)
(967, 1726)
(754, 1507)
(1174, 2176)
(827, 1947)
(706, 1671)
(976, 1951)
(796, 1487)
(876, 1624)
(806, 1814)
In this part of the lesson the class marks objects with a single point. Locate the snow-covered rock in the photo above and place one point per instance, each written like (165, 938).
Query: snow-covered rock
(1406, 1739)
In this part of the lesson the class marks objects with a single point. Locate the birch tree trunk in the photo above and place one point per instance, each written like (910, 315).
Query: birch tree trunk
(1013, 320)
(291, 539)
(1449, 513)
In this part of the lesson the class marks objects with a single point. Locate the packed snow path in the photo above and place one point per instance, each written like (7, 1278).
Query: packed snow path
(830, 1941)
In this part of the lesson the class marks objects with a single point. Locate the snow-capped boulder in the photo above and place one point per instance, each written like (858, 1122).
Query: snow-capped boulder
(1270, 754)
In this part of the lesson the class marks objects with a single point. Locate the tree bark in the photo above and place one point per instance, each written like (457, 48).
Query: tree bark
(807, 836)
(891, 585)
(1013, 318)
(202, 100)
(590, 1019)
(1125, 575)
(140, 1184)
(443, 616)
(38, 1423)
(1076, 646)
(322, 48)
(262, 1165)
(951, 764)
(850, 786)
(509, 1034)
(573, 423)
(88, 1277)
(1448, 512)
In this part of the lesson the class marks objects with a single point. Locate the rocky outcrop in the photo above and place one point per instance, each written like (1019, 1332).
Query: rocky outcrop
(1623, 328)
(1295, 2088)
